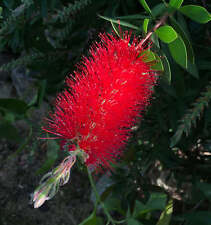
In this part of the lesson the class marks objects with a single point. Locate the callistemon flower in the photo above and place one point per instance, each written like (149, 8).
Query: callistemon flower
(103, 99)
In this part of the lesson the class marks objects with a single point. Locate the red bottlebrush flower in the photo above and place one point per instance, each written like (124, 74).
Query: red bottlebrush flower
(103, 100)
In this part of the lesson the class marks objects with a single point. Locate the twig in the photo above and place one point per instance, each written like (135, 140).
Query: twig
(158, 24)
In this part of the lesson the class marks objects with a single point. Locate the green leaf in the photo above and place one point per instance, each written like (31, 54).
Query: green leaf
(178, 51)
(115, 28)
(159, 9)
(158, 65)
(138, 209)
(175, 3)
(184, 36)
(91, 220)
(191, 67)
(165, 217)
(113, 203)
(157, 201)
(196, 13)
(125, 24)
(145, 6)
(166, 33)
(133, 17)
(132, 221)
(148, 56)
(145, 25)
(0, 12)
(13, 105)
(176, 138)
(167, 69)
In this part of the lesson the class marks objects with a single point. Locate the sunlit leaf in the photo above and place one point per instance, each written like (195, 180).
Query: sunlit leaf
(175, 3)
(145, 25)
(166, 33)
(196, 13)
(165, 217)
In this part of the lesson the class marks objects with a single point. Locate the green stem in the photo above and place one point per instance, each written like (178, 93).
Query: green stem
(110, 219)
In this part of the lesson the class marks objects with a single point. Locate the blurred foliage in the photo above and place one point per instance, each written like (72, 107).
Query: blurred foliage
(164, 177)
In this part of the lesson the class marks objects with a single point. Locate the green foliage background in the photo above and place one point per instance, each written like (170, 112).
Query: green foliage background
(164, 177)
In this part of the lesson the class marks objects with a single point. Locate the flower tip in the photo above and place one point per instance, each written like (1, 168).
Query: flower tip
(38, 198)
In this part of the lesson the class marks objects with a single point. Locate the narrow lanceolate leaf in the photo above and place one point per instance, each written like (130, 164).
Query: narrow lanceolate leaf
(196, 13)
(167, 69)
(0, 12)
(133, 17)
(178, 51)
(165, 217)
(166, 34)
(177, 136)
(122, 23)
(145, 6)
(175, 3)
(115, 28)
(145, 25)
(190, 118)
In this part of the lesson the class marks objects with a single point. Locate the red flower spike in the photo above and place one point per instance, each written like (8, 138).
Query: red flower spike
(103, 100)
